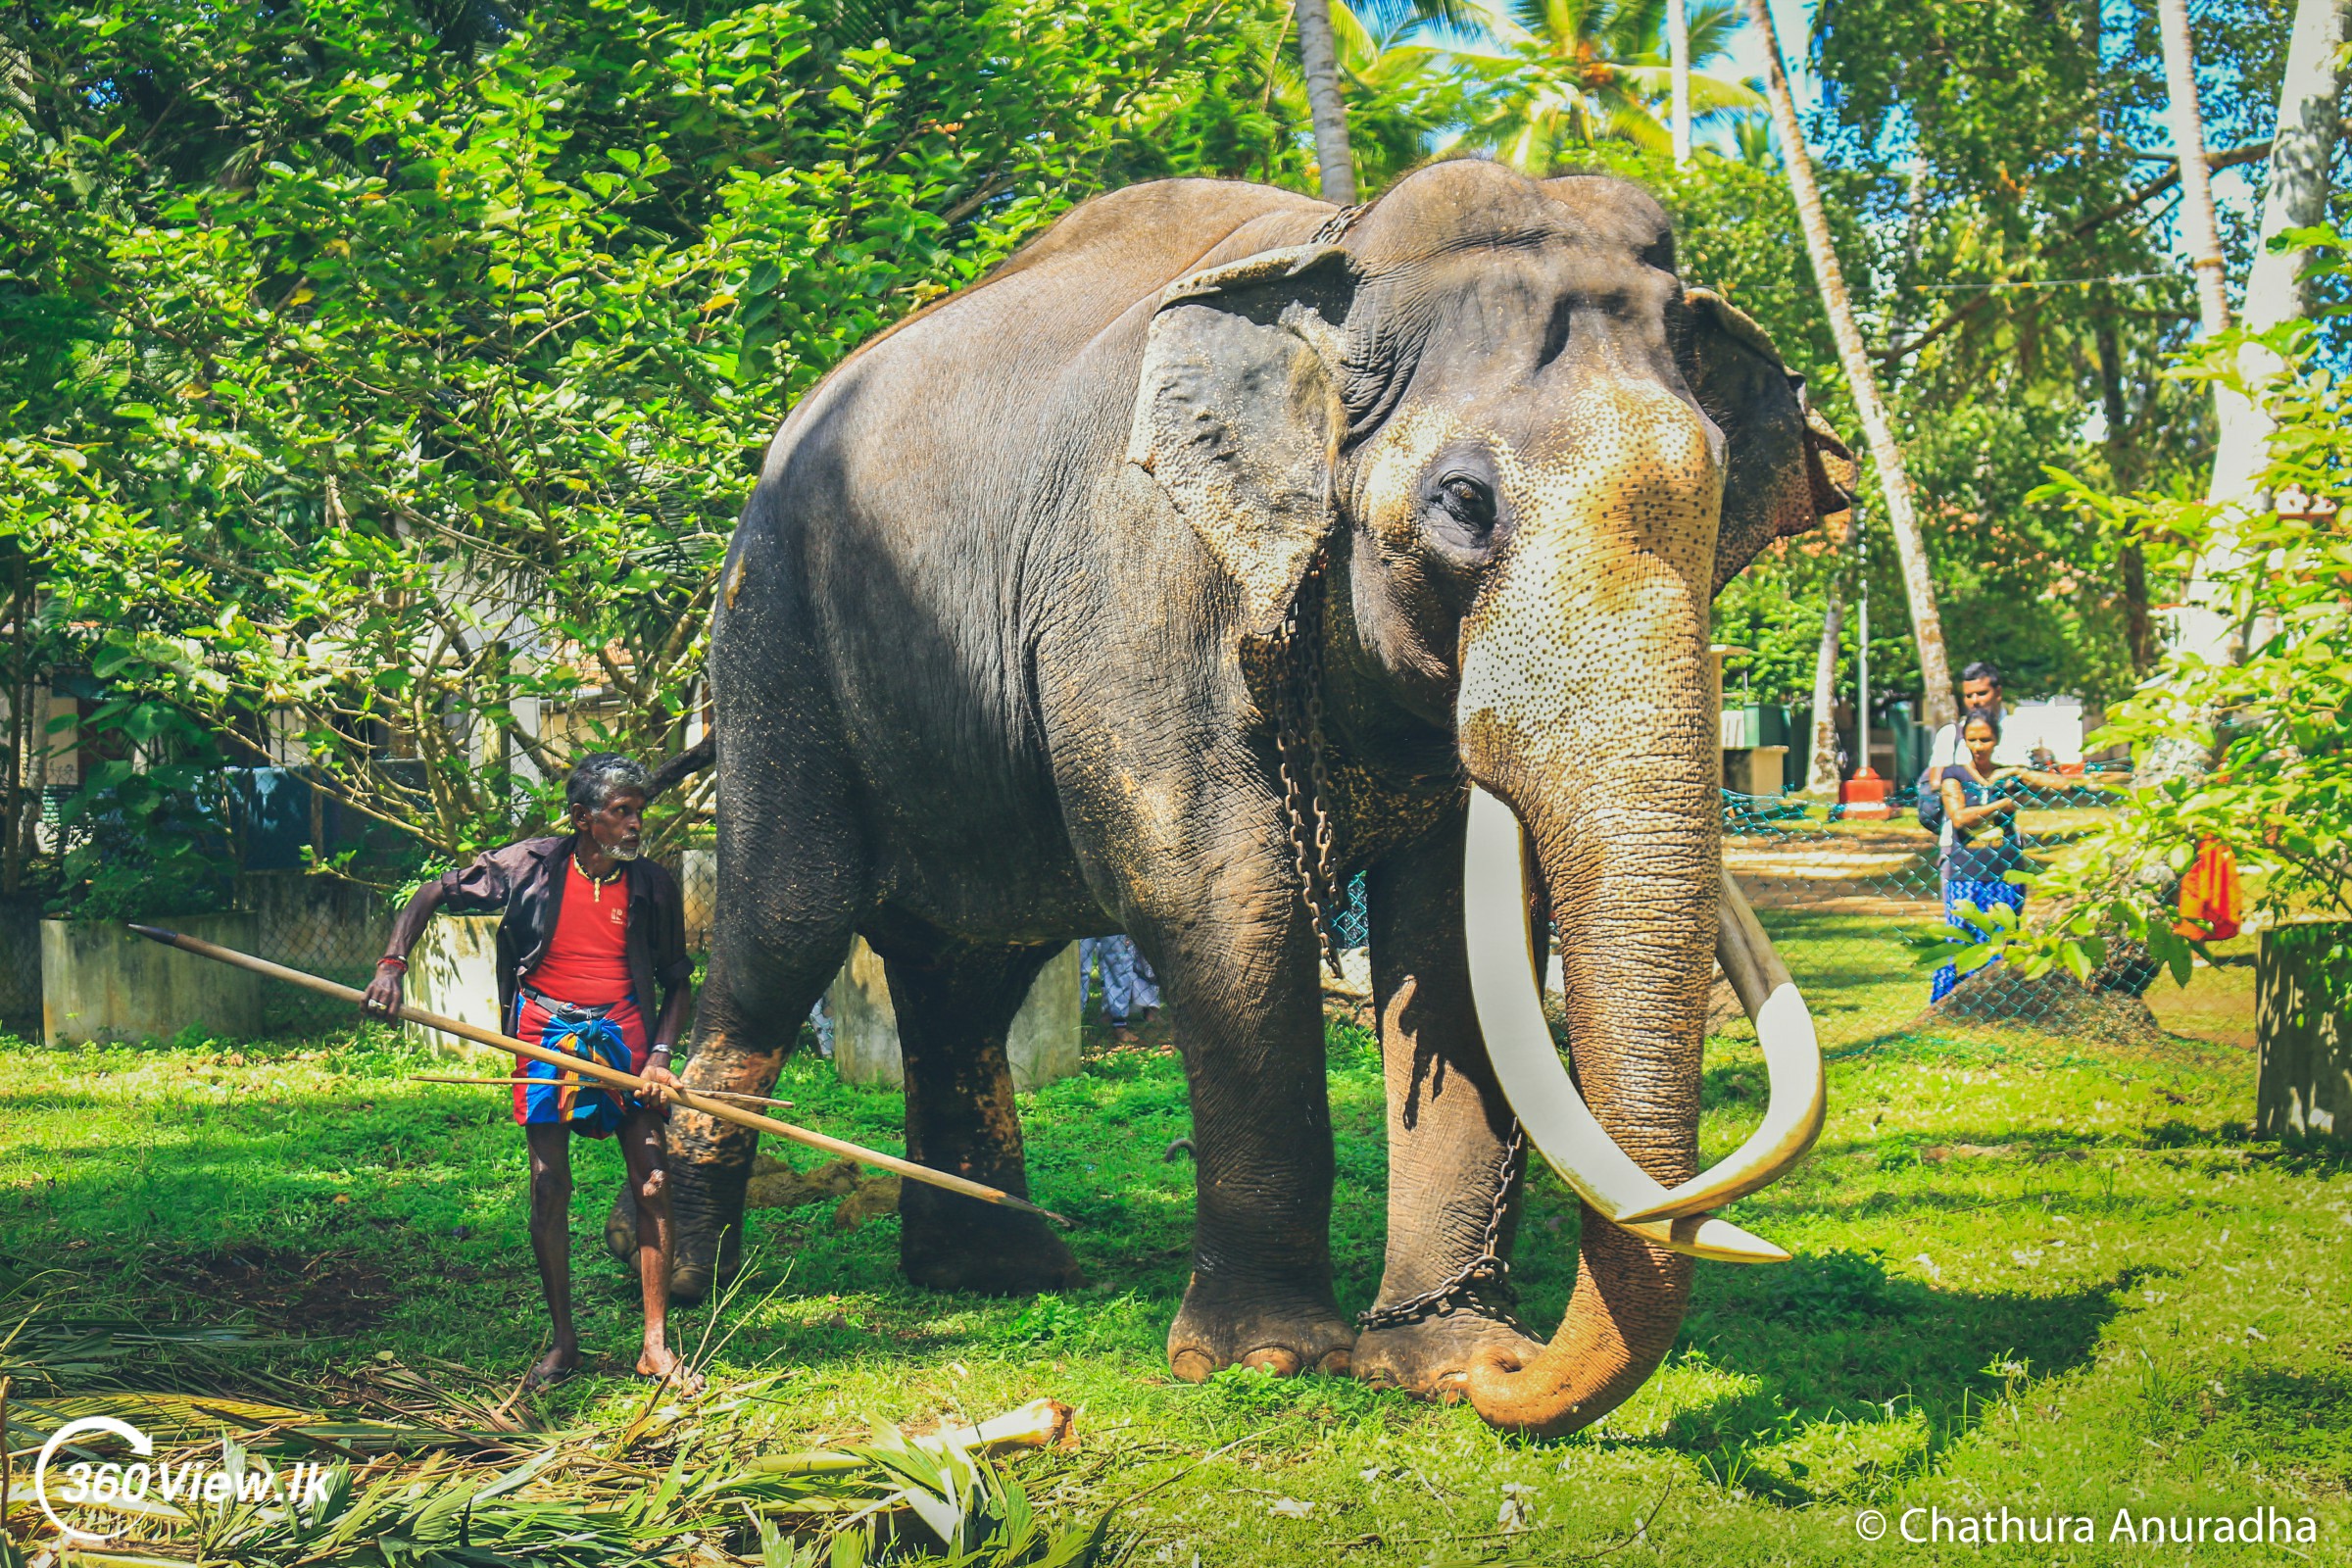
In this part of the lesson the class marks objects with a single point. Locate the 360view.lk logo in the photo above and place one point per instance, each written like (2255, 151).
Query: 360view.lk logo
(144, 1486)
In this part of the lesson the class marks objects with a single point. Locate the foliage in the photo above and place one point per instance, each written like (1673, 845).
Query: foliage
(1565, 74)
(1403, 92)
(2005, 155)
(2276, 724)
(408, 390)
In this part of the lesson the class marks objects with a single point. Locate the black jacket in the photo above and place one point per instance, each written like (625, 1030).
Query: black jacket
(526, 882)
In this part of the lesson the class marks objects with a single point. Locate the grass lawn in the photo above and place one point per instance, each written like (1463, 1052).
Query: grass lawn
(2057, 1278)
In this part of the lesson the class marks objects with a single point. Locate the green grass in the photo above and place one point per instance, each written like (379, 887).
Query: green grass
(2055, 1277)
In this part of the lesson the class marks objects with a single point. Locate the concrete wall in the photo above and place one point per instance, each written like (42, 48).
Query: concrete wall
(100, 982)
(453, 971)
(317, 924)
(2304, 1084)
(1041, 1044)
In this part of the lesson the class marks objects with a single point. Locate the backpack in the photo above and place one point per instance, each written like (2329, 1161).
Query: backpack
(1929, 796)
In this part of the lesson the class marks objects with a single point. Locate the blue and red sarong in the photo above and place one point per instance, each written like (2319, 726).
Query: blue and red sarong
(555, 1096)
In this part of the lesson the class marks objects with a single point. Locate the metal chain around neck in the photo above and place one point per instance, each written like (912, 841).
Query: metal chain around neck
(1298, 742)
(1488, 1268)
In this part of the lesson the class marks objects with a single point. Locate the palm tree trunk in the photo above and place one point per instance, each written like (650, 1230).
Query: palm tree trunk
(2198, 228)
(1320, 56)
(1678, 57)
(1821, 766)
(2301, 152)
(1895, 478)
(2122, 474)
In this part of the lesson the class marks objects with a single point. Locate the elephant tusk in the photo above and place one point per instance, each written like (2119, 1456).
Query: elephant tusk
(1799, 1095)
(1705, 1236)
(1526, 1064)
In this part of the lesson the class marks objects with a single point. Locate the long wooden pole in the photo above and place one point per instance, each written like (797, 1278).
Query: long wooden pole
(611, 1075)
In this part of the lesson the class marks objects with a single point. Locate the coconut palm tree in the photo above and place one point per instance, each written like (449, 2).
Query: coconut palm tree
(1752, 146)
(1895, 475)
(1566, 74)
(1397, 88)
(1318, 55)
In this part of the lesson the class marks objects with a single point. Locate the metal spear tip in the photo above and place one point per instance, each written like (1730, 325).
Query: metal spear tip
(154, 933)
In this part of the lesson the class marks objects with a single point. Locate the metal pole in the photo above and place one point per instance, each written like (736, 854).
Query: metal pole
(1862, 654)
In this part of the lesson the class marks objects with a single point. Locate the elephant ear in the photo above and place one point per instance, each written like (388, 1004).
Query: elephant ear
(1785, 470)
(1238, 414)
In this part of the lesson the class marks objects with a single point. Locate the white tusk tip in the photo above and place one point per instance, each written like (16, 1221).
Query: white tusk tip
(1705, 1236)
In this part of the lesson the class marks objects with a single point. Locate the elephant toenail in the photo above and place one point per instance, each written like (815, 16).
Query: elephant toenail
(1192, 1366)
(1337, 1364)
(1275, 1359)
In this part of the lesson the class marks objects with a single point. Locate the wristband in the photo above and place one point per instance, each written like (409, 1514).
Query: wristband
(660, 1050)
(401, 963)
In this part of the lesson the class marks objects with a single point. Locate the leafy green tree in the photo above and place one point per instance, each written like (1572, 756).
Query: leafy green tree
(1405, 91)
(410, 363)
(2277, 723)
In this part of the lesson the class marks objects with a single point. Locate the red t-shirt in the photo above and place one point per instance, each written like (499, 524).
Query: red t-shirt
(588, 961)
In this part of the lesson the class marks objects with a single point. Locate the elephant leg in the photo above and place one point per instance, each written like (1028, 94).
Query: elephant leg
(765, 974)
(1448, 1130)
(956, 1006)
(794, 879)
(1245, 1006)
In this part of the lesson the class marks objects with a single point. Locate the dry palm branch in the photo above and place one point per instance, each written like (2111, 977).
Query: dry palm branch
(614, 1076)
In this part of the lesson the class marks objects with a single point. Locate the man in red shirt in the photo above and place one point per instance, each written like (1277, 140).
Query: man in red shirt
(591, 932)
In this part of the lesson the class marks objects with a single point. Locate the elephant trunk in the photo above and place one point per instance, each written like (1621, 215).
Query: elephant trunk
(1598, 733)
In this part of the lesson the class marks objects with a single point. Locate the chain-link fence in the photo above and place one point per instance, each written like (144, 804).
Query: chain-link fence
(1847, 899)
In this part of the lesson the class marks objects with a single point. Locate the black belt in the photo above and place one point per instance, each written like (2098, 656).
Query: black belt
(566, 1012)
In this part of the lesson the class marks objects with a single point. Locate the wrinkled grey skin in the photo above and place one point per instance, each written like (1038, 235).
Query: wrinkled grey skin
(991, 674)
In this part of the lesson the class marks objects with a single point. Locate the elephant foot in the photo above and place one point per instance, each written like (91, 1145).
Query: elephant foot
(1271, 1330)
(1430, 1358)
(694, 1270)
(1002, 1254)
(620, 1227)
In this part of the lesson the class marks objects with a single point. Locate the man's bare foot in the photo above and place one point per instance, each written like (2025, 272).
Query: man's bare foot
(661, 1364)
(557, 1365)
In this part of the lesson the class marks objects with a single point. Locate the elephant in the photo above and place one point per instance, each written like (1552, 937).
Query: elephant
(1218, 546)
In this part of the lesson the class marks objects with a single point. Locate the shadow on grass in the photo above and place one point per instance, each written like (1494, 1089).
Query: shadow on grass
(1832, 1338)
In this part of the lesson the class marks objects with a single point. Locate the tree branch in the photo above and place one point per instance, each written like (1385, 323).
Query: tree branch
(2250, 152)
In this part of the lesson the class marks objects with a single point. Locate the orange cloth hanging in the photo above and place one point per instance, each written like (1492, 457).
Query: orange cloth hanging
(2209, 895)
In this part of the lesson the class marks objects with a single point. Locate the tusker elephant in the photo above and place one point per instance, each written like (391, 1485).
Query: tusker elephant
(1216, 547)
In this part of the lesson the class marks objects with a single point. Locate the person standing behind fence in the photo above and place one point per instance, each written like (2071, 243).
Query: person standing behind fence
(591, 932)
(1979, 842)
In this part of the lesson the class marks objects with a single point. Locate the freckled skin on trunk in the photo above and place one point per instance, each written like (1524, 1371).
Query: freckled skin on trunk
(1606, 747)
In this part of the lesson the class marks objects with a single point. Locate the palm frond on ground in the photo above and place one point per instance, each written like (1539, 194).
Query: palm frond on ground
(386, 1464)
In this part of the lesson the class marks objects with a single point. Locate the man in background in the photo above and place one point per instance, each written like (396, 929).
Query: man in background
(1981, 692)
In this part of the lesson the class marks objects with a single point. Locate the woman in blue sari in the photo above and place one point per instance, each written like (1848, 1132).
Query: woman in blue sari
(1980, 843)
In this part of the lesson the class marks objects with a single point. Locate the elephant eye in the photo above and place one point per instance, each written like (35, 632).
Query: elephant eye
(1468, 502)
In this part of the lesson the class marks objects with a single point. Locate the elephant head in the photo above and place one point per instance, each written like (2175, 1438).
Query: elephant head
(1532, 456)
